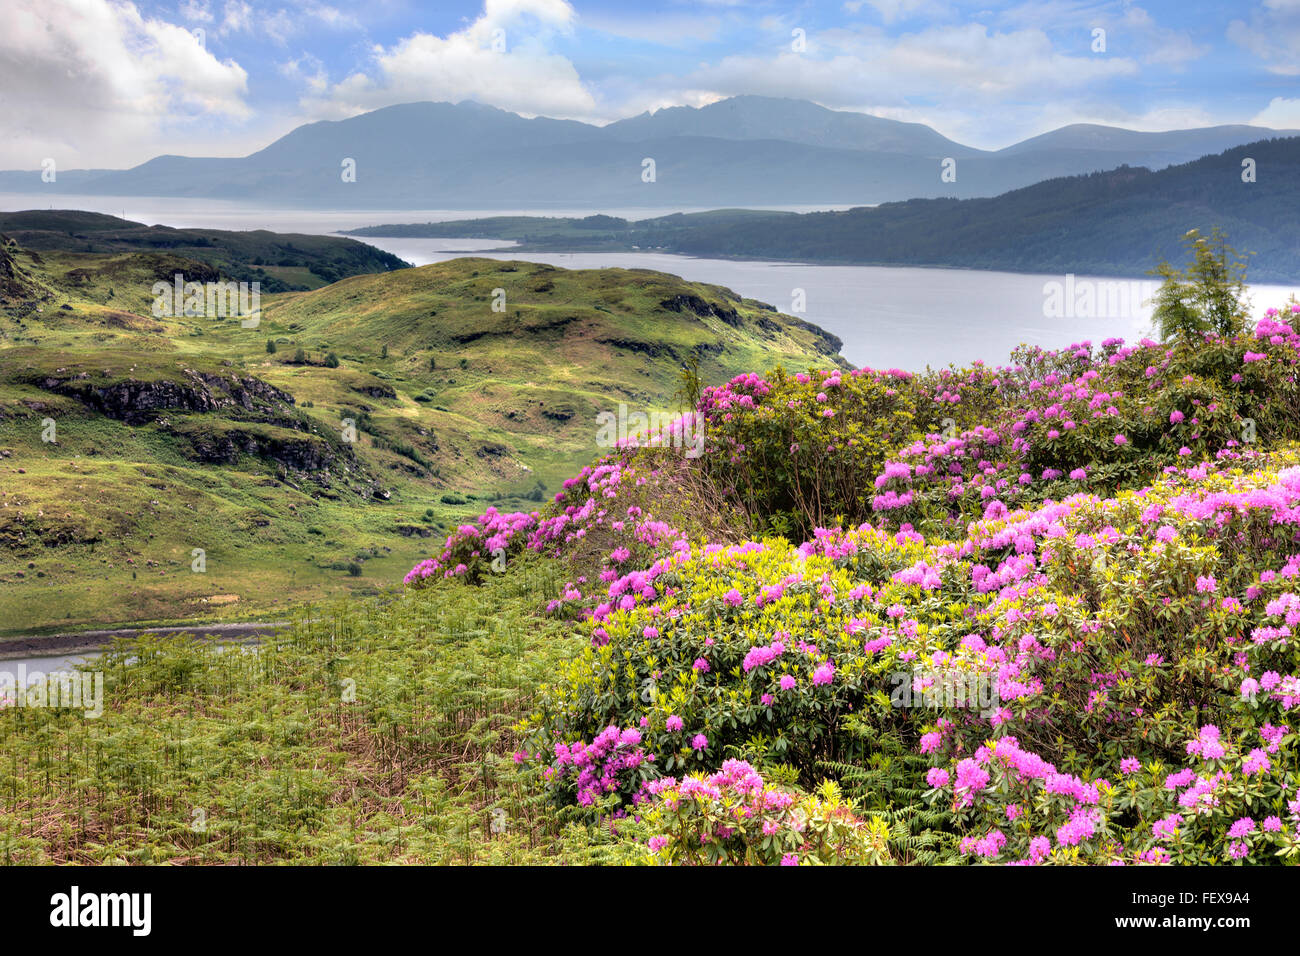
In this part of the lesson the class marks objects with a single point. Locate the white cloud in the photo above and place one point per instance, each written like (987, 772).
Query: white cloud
(88, 81)
(238, 17)
(307, 71)
(1272, 35)
(195, 11)
(1174, 50)
(526, 78)
(1130, 30)
(672, 30)
(965, 64)
(1281, 113)
(894, 11)
(280, 24)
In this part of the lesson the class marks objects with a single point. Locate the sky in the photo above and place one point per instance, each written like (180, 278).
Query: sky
(109, 84)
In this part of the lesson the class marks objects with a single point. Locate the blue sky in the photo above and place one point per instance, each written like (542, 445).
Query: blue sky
(106, 83)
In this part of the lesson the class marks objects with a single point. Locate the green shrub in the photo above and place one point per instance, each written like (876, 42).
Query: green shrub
(800, 452)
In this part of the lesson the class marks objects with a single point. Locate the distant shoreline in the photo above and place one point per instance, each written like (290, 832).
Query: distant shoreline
(836, 263)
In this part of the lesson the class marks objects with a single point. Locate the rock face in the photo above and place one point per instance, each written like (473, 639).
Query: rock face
(375, 390)
(702, 308)
(828, 343)
(413, 531)
(297, 452)
(219, 415)
(137, 401)
(15, 285)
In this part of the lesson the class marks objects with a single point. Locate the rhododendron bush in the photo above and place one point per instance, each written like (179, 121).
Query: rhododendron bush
(1112, 631)
(1064, 627)
(606, 520)
(812, 449)
(1058, 422)
(798, 451)
(732, 816)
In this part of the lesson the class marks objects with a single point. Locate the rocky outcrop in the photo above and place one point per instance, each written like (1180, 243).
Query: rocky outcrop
(375, 390)
(15, 284)
(298, 452)
(702, 308)
(414, 531)
(137, 401)
(652, 349)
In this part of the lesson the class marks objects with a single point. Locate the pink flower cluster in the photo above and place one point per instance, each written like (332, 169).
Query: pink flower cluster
(609, 764)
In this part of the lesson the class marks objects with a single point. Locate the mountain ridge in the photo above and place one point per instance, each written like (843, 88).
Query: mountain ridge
(744, 150)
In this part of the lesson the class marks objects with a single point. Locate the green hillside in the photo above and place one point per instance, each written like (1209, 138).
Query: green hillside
(393, 406)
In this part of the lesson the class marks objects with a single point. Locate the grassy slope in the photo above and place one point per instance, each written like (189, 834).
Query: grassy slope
(99, 527)
(264, 749)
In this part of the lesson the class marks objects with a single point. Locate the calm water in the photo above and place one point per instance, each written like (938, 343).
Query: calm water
(888, 317)
(46, 665)
(67, 662)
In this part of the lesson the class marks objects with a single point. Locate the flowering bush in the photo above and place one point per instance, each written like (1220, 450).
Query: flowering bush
(1104, 630)
(1018, 808)
(615, 515)
(471, 548)
(733, 817)
(1069, 623)
(1059, 422)
(798, 451)
(614, 765)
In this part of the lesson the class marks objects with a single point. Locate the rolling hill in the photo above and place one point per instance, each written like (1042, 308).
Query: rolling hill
(392, 406)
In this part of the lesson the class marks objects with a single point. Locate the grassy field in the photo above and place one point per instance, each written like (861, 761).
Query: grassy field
(393, 407)
(374, 731)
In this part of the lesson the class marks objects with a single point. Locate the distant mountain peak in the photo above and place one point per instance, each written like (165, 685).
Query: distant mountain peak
(747, 150)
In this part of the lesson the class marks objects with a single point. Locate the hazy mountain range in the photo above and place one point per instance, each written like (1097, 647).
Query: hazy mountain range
(1118, 222)
(748, 150)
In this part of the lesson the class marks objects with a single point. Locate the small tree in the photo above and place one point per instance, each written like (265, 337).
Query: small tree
(331, 361)
(689, 385)
(383, 353)
(270, 346)
(299, 357)
(1206, 296)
